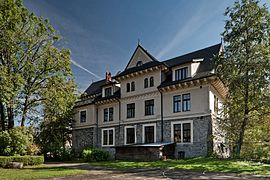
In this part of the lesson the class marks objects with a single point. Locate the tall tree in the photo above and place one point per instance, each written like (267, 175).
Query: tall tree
(29, 62)
(245, 67)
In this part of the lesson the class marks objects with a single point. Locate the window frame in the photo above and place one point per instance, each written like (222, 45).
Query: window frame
(179, 74)
(178, 101)
(131, 109)
(182, 122)
(80, 116)
(132, 88)
(145, 109)
(108, 138)
(108, 113)
(143, 131)
(185, 101)
(135, 134)
(105, 92)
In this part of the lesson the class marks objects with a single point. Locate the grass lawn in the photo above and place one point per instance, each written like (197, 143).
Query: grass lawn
(33, 172)
(202, 164)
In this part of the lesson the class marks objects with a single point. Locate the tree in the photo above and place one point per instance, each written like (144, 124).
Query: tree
(30, 64)
(245, 68)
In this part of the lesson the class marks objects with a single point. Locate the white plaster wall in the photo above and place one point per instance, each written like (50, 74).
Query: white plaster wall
(139, 84)
(212, 93)
(90, 115)
(139, 56)
(115, 113)
(194, 67)
(199, 102)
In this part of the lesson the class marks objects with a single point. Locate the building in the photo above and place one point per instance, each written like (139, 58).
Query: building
(154, 102)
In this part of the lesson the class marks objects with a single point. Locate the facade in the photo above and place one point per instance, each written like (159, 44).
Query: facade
(153, 102)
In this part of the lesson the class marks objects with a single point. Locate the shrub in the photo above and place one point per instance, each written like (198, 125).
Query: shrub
(26, 160)
(94, 154)
(5, 141)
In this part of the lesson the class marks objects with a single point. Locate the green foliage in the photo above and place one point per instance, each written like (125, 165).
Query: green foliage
(94, 154)
(16, 141)
(245, 68)
(26, 160)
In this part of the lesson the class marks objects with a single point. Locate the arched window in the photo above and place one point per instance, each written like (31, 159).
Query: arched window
(146, 83)
(133, 86)
(151, 81)
(128, 87)
(139, 63)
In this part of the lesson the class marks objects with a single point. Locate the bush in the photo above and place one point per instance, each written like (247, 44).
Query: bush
(94, 154)
(26, 160)
(5, 141)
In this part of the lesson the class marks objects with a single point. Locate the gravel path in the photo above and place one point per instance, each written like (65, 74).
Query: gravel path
(101, 173)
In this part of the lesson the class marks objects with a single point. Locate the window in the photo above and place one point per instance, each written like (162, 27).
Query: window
(139, 63)
(108, 92)
(181, 73)
(131, 110)
(82, 116)
(151, 81)
(149, 107)
(149, 133)
(130, 135)
(108, 114)
(146, 83)
(176, 103)
(186, 102)
(182, 132)
(128, 87)
(133, 86)
(215, 104)
(108, 137)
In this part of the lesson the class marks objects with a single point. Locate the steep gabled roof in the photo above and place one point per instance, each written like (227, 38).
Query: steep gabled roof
(205, 54)
(95, 87)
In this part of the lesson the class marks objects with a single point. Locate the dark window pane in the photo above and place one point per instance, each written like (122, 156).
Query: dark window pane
(105, 137)
(149, 107)
(132, 86)
(105, 114)
(82, 116)
(111, 137)
(110, 114)
(181, 74)
(146, 83)
(149, 134)
(128, 87)
(186, 132)
(108, 92)
(130, 135)
(177, 103)
(151, 81)
(177, 133)
(186, 102)
(131, 110)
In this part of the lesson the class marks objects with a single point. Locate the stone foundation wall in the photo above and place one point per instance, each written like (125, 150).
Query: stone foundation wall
(83, 138)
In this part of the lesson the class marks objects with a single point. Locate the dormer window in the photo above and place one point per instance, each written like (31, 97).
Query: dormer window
(139, 63)
(108, 91)
(181, 74)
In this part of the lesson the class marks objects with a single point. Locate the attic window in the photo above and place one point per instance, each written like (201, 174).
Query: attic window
(139, 63)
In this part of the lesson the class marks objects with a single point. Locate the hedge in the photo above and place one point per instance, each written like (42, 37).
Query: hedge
(26, 160)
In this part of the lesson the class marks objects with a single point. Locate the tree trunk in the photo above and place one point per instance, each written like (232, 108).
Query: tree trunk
(10, 116)
(2, 114)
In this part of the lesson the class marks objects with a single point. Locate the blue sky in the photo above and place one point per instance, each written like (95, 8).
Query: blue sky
(102, 34)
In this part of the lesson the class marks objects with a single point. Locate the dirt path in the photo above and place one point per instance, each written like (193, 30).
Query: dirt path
(99, 173)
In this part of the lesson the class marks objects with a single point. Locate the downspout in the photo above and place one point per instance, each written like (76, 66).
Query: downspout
(119, 106)
(161, 113)
(97, 126)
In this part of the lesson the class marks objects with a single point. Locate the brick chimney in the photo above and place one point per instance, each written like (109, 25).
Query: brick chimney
(108, 76)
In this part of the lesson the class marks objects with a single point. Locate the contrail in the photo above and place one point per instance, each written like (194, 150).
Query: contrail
(81, 67)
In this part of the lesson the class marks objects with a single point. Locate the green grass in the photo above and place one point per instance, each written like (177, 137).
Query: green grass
(33, 172)
(198, 164)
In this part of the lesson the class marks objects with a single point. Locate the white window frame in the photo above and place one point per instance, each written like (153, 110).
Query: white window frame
(108, 113)
(80, 116)
(125, 136)
(155, 133)
(191, 131)
(102, 132)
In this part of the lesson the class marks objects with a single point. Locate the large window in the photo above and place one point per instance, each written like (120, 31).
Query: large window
(186, 102)
(108, 137)
(130, 135)
(149, 133)
(133, 86)
(146, 83)
(182, 132)
(149, 107)
(151, 81)
(108, 114)
(176, 103)
(131, 110)
(181, 73)
(83, 116)
(108, 92)
(128, 87)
